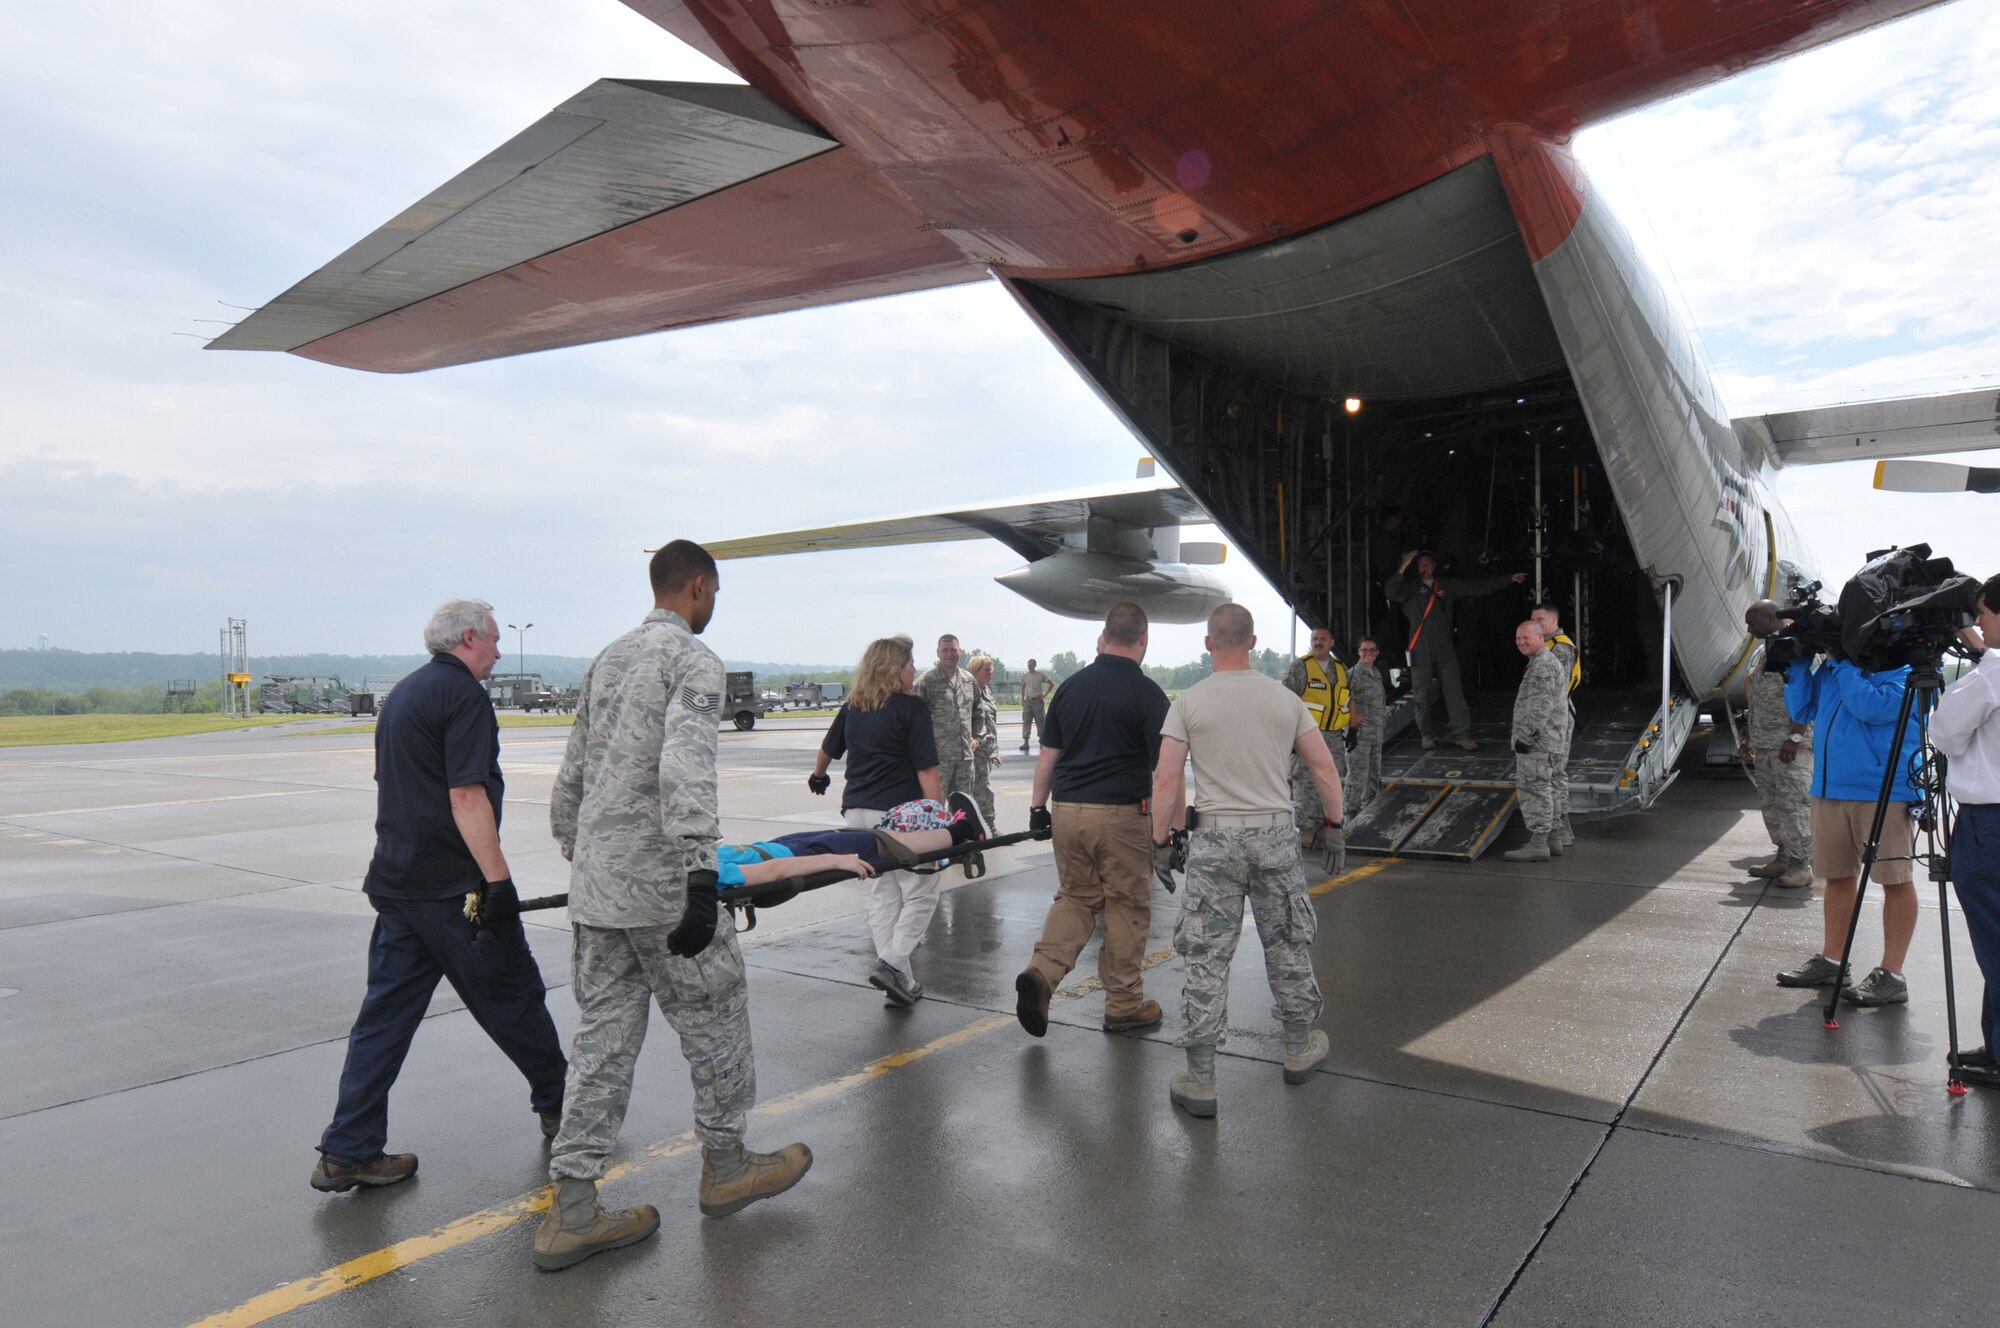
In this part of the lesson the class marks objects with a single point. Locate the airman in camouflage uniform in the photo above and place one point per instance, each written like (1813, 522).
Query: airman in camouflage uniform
(1780, 753)
(1547, 617)
(1363, 776)
(1035, 689)
(1326, 695)
(635, 810)
(1541, 709)
(949, 692)
(1237, 727)
(985, 736)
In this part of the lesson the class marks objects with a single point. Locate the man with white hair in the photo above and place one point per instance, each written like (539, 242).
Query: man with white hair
(444, 901)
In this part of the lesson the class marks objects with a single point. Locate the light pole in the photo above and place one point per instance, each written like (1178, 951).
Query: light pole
(521, 666)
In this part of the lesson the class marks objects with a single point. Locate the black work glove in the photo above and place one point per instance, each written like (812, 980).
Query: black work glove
(1038, 819)
(1167, 857)
(499, 908)
(1523, 748)
(1348, 739)
(697, 924)
(819, 783)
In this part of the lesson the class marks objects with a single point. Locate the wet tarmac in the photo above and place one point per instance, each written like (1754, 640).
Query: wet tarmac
(1558, 1095)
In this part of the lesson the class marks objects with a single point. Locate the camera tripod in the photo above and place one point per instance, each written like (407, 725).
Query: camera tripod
(1931, 841)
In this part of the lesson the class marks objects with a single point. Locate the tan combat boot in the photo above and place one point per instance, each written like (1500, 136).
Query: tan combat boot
(577, 1228)
(1193, 1089)
(730, 1183)
(1306, 1049)
(1535, 850)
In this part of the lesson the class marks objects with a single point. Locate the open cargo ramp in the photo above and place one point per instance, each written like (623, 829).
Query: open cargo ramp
(1448, 803)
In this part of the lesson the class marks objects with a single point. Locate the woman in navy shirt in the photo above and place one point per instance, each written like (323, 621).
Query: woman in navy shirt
(884, 731)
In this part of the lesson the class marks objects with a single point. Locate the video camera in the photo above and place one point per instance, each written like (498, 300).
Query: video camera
(1902, 607)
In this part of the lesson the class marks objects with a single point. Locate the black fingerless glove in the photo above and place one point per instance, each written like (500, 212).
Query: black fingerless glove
(819, 783)
(499, 908)
(697, 924)
(1038, 819)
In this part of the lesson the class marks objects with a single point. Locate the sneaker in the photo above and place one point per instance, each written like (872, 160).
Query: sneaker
(890, 981)
(1796, 876)
(338, 1175)
(1031, 1003)
(1978, 1057)
(1467, 743)
(1818, 971)
(968, 826)
(1148, 1015)
(763, 1176)
(1880, 987)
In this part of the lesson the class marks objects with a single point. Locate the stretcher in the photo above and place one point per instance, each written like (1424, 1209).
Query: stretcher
(743, 901)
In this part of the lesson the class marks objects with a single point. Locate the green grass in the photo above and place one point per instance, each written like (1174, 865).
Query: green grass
(58, 730)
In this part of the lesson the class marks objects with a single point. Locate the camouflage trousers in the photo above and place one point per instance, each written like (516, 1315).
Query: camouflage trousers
(954, 774)
(1307, 814)
(1362, 779)
(1559, 776)
(614, 974)
(1224, 868)
(1032, 718)
(981, 787)
(1782, 792)
(1534, 778)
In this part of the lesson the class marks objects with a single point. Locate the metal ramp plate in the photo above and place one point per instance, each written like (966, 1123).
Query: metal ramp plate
(1463, 823)
(1392, 815)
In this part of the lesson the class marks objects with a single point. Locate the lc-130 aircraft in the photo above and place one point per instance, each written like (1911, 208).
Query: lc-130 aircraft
(1232, 218)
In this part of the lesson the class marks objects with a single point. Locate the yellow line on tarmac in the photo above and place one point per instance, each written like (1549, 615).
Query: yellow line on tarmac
(491, 1221)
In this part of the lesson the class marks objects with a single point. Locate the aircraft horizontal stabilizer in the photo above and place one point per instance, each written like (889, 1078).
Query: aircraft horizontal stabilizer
(1935, 477)
(1871, 430)
(632, 207)
(1034, 528)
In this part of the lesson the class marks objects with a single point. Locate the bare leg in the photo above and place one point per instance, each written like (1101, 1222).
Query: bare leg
(1899, 923)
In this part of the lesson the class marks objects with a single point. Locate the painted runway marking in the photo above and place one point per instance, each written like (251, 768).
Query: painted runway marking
(492, 1221)
(176, 802)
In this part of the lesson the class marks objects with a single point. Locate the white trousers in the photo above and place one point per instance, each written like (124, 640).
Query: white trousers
(900, 904)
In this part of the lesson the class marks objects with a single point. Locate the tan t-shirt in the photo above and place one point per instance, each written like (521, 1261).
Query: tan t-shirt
(1239, 727)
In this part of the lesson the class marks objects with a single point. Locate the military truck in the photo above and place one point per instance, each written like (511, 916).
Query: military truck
(740, 701)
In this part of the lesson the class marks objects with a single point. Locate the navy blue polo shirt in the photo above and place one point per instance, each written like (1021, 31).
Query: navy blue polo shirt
(884, 749)
(1105, 722)
(436, 732)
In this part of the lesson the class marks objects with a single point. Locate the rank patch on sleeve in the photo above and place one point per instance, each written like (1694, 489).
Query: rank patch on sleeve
(706, 703)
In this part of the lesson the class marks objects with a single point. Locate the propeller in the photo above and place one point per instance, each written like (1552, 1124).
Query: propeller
(1903, 476)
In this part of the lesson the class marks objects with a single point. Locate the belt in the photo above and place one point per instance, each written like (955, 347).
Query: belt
(1142, 805)
(1234, 821)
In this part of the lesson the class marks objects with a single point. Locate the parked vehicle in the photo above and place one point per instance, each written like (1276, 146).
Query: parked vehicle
(740, 701)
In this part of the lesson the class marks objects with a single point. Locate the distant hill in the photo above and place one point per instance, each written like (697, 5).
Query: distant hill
(77, 670)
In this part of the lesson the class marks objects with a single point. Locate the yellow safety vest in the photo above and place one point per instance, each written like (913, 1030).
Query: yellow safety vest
(1333, 715)
(1575, 660)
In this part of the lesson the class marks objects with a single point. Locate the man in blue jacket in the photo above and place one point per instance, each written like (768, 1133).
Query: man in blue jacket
(1853, 714)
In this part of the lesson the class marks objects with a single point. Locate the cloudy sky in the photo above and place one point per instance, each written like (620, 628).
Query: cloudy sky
(1827, 225)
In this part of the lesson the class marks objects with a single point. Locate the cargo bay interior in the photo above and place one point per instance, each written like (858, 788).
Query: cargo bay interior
(1389, 382)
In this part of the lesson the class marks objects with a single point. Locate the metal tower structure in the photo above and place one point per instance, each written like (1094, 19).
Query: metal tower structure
(236, 669)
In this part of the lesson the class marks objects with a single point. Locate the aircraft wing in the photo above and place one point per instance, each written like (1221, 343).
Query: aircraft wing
(1871, 430)
(1031, 527)
(632, 207)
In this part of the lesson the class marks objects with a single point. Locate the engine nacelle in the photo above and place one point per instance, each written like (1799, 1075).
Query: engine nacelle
(1077, 584)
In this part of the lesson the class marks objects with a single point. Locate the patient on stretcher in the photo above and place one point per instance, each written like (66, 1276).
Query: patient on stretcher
(905, 831)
